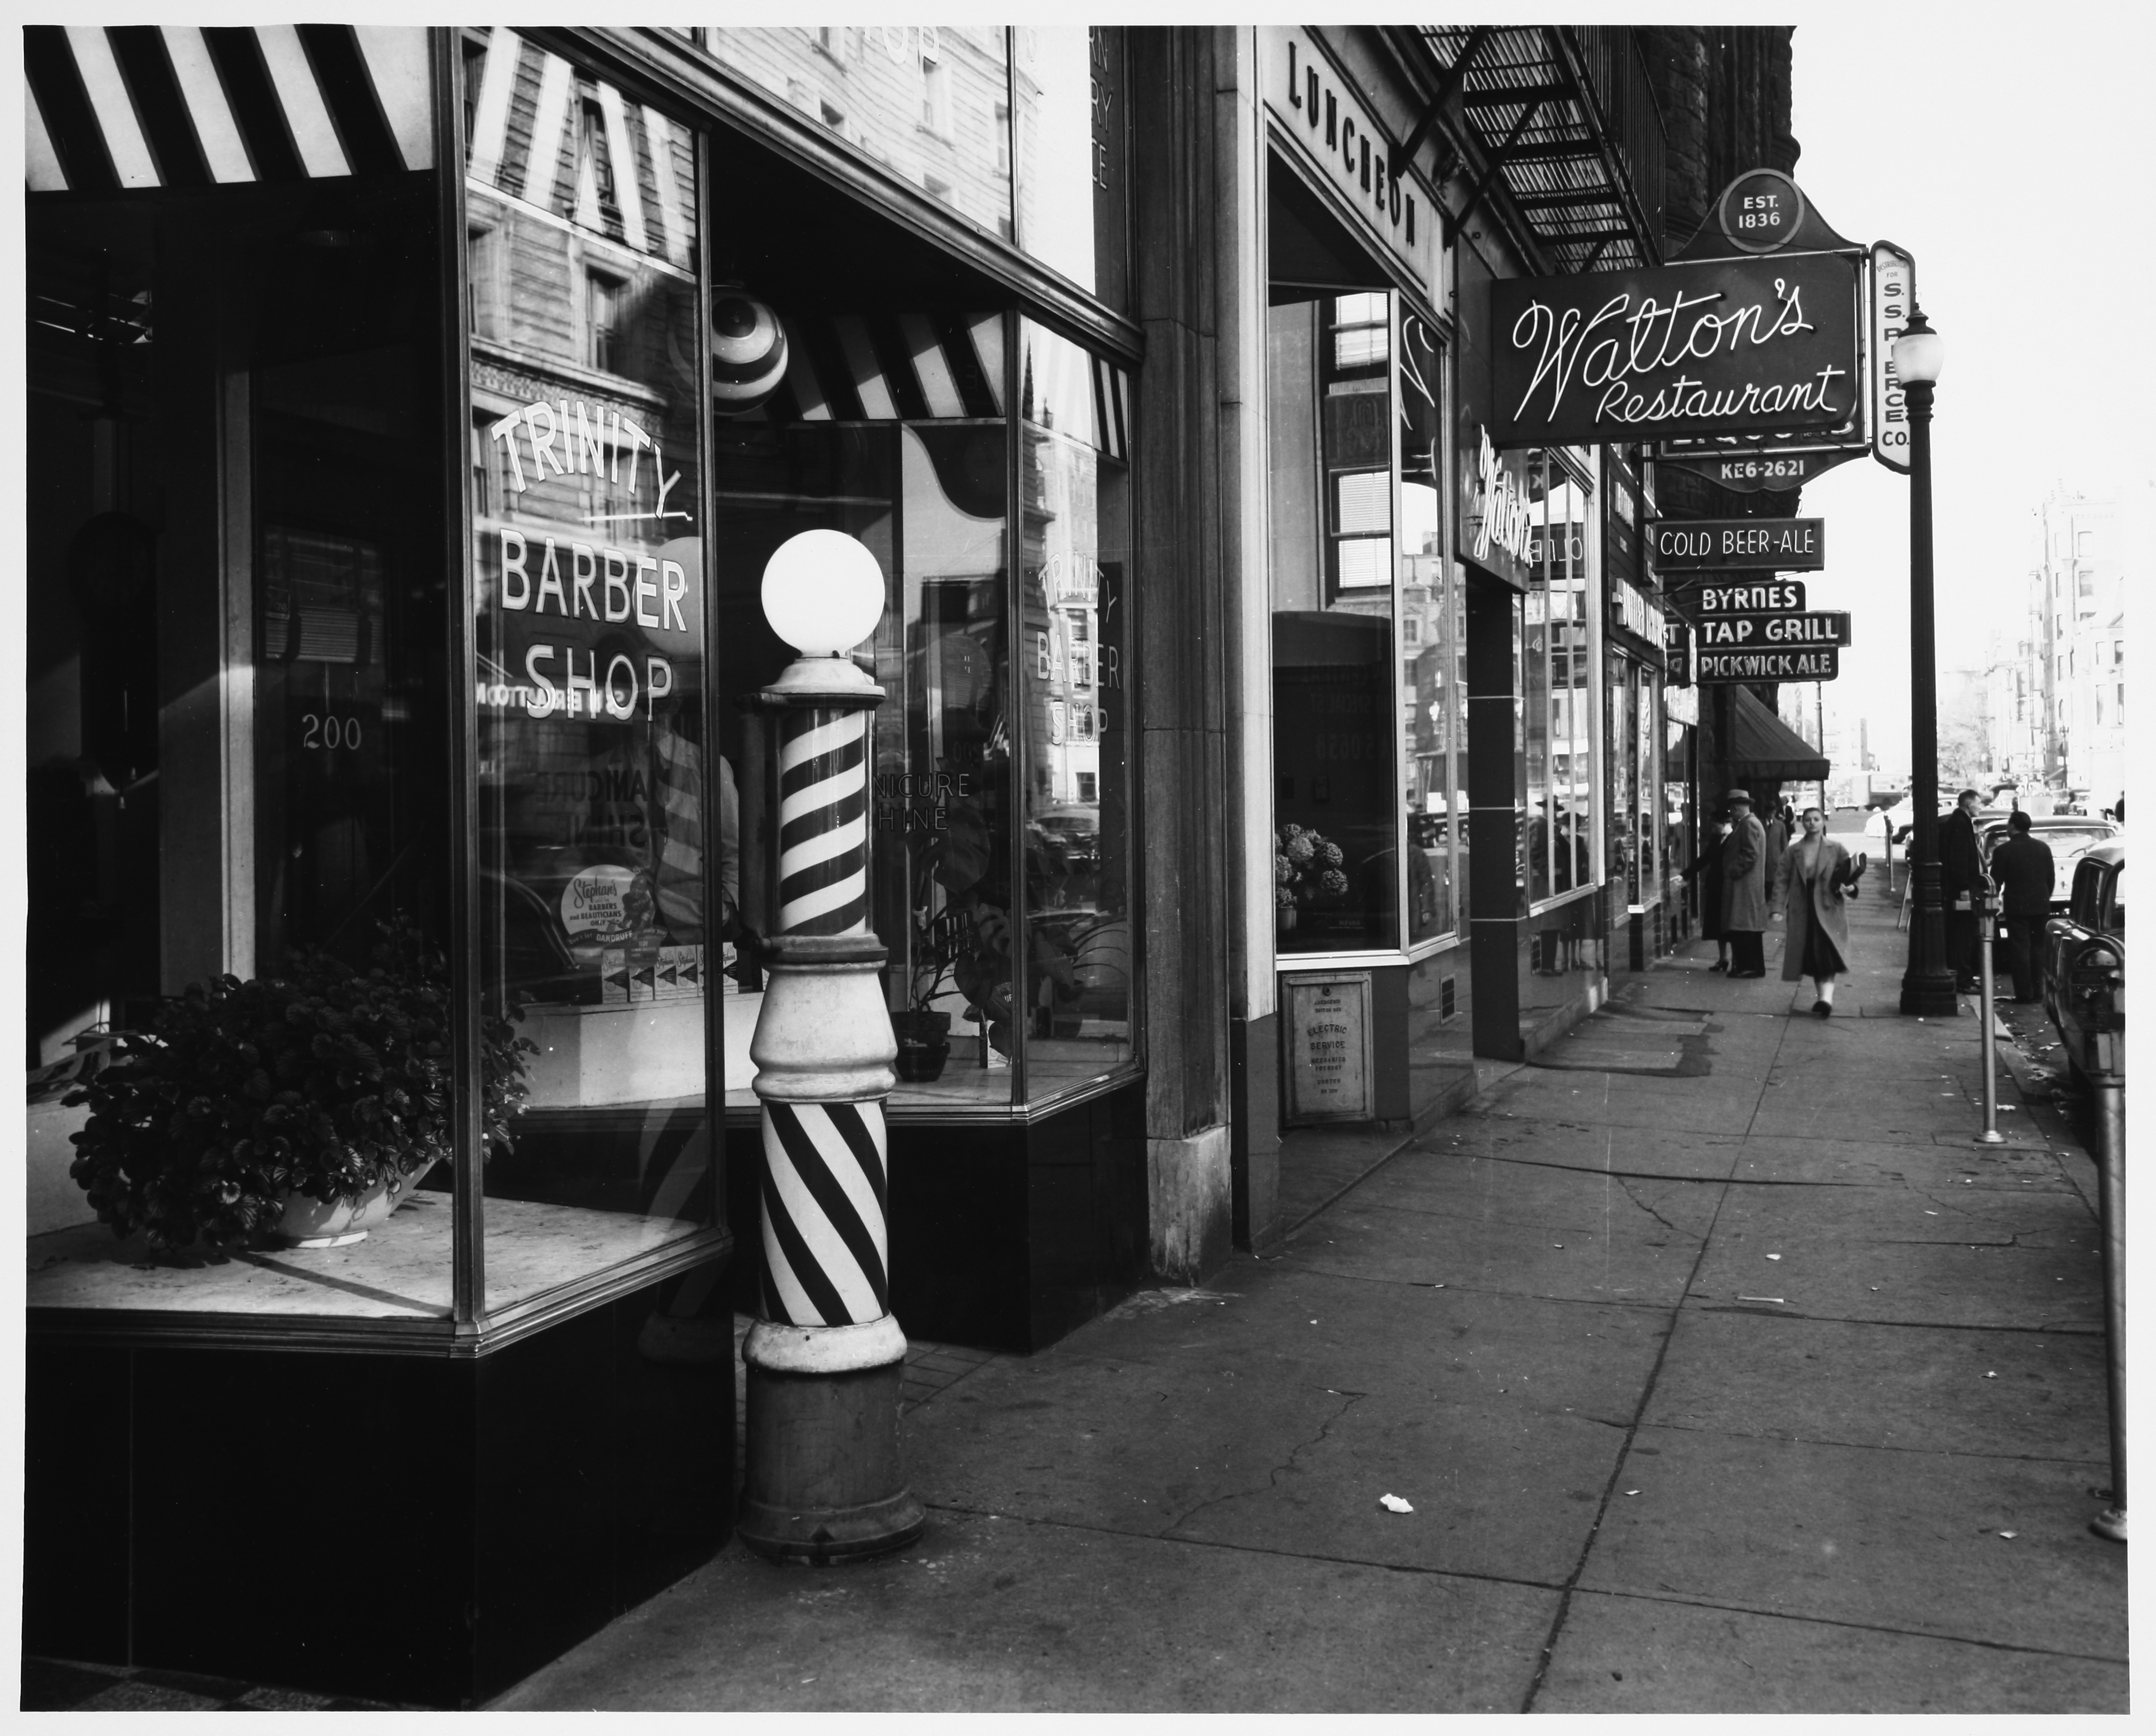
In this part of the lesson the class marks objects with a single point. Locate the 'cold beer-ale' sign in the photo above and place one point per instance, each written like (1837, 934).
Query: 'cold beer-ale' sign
(1739, 545)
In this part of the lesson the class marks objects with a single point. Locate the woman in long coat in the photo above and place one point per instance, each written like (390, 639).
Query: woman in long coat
(1707, 869)
(1815, 881)
(1744, 888)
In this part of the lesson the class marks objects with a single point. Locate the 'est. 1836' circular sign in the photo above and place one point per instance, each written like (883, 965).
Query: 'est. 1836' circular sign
(1761, 212)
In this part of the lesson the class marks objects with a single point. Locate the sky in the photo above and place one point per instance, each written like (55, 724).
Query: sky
(2021, 174)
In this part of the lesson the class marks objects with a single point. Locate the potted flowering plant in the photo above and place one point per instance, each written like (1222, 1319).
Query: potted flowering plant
(1309, 873)
(298, 1107)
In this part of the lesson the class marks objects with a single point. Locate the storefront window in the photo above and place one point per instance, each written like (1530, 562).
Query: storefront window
(1622, 824)
(595, 823)
(930, 102)
(236, 615)
(1336, 809)
(1559, 652)
(1074, 593)
(1431, 653)
(1069, 82)
(1000, 823)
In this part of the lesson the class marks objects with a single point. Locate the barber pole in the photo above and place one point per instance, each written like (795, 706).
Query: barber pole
(823, 1480)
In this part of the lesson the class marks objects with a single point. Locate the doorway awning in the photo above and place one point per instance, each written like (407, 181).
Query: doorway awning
(1762, 746)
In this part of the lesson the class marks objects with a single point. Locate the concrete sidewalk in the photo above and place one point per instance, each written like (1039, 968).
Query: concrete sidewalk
(1723, 1372)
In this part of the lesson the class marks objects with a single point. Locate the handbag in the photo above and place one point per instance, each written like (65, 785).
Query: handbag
(1851, 870)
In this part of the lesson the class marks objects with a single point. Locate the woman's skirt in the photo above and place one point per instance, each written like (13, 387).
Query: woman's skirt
(1710, 906)
(1821, 959)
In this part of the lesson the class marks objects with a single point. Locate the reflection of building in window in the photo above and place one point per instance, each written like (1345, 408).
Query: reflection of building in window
(935, 83)
(1089, 787)
(597, 202)
(601, 322)
(1055, 721)
(931, 105)
(1357, 444)
(484, 303)
(1360, 325)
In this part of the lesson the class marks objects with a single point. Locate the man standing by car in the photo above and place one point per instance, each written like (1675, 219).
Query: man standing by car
(1961, 870)
(2022, 865)
(1744, 888)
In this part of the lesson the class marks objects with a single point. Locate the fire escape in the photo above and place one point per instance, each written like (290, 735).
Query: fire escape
(1558, 131)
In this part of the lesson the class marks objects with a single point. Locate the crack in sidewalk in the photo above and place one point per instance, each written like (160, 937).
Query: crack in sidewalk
(1273, 1476)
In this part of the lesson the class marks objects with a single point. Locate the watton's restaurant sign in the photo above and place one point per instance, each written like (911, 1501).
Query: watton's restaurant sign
(1737, 345)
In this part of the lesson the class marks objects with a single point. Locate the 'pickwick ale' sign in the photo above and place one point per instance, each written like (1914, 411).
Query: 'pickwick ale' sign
(1721, 346)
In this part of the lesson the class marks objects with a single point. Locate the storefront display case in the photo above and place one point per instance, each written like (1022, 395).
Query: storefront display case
(1369, 705)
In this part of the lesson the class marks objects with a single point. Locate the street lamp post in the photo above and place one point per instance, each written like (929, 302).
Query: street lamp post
(1928, 984)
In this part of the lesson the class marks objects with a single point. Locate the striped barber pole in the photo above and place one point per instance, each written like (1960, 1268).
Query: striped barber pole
(823, 822)
(121, 109)
(826, 1255)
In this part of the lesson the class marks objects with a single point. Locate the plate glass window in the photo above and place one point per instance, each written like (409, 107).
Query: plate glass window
(235, 607)
(602, 943)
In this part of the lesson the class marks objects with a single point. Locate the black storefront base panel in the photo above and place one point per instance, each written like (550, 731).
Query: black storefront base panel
(1004, 1236)
(400, 1527)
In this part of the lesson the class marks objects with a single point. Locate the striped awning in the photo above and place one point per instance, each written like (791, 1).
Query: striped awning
(927, 367)
(174, 105)
(891, 367)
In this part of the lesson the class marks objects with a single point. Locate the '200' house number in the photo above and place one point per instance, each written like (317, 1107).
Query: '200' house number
(327, 731)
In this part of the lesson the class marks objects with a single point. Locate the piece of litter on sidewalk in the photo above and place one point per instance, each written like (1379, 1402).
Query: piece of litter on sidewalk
(1393, 1504)
(1991, 1374)
(1631, 1492)
(1556, 1244)
(1928, 1212)
(1773, 1257)
(1875, 1287)
(1762, 1299)
(2009, 1535)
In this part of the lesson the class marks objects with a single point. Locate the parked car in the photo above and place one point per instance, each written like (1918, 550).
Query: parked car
(2069, 837)
(2085, 968)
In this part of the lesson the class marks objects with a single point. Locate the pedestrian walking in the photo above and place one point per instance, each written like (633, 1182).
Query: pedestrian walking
(1961, 872)
(2026, 874)
(1816, 878)
(1744, 888)
(1779, 826)
(1707, 869)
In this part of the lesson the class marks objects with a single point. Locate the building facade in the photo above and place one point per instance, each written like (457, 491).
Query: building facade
(1261, 745)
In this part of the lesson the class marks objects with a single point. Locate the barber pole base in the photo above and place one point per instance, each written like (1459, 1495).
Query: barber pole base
(822, 1483)
(822, 1479)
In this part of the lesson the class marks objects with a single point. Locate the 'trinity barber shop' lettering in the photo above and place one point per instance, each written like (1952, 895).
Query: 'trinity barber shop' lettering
(608, 586)
(593, 441)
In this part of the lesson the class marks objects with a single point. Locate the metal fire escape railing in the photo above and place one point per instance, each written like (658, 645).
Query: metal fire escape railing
(1567, 135)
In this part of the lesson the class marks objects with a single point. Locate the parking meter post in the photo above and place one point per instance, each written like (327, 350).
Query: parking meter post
(1987, 979)
(2111, 1163)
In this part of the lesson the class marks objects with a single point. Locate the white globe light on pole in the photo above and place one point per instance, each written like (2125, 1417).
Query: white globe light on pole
(823, 592)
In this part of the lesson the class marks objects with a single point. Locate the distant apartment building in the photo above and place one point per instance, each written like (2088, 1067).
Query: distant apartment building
(2057, 700)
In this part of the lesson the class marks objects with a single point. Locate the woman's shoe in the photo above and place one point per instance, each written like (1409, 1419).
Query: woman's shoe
(1822, 1009)
(1719, 965)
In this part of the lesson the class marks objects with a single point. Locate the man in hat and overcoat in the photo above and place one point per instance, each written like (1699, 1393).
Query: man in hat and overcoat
(1744, 888)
